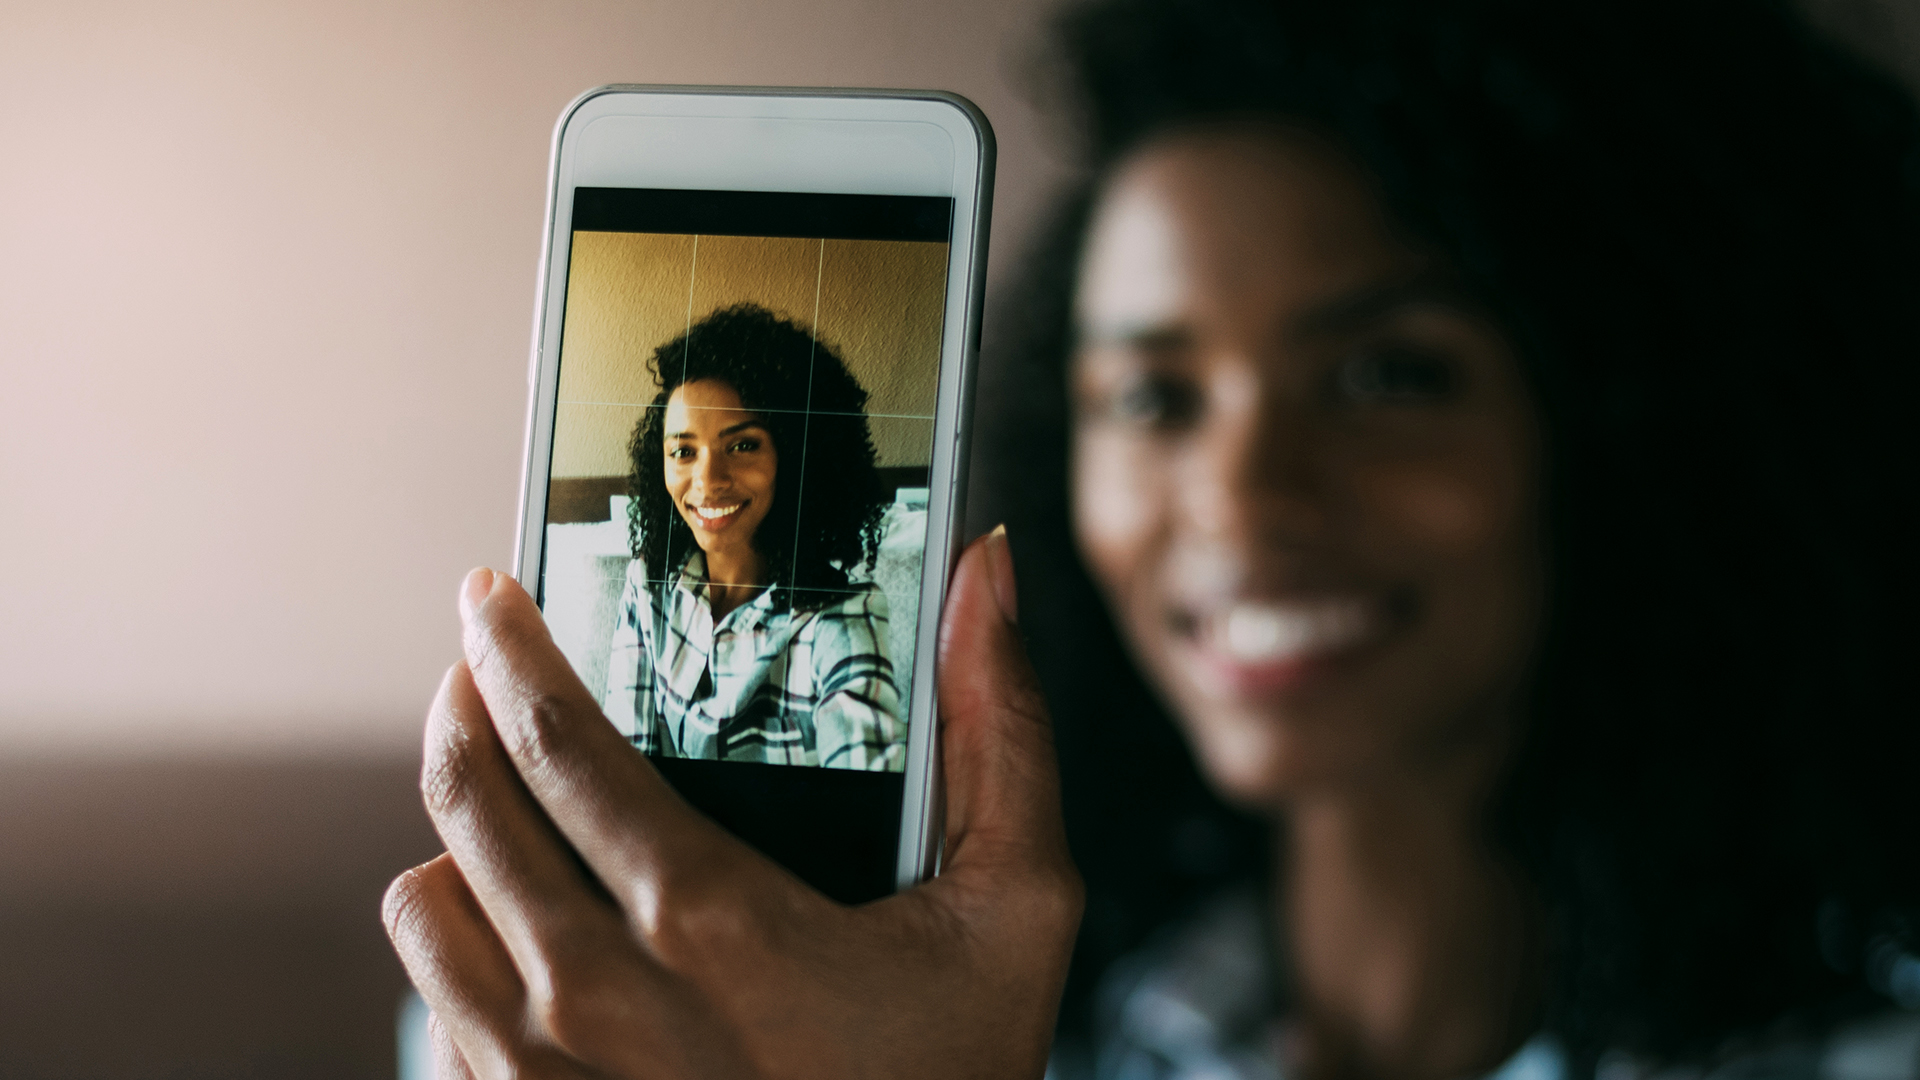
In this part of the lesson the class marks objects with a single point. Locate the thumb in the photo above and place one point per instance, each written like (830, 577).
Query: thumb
(1002, 780)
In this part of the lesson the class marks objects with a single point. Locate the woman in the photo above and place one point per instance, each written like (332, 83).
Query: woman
(1458, 467)
(754, 493)
(1480, 422)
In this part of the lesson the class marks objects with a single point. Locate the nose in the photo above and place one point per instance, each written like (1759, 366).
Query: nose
(711, 472)
(1255, 478)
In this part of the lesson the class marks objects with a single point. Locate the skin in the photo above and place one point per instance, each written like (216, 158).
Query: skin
(585, 922)
(721, 466)
(1305, 476)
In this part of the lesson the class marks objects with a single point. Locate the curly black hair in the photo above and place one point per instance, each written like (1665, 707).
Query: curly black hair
(828, 499)
(1700, 223)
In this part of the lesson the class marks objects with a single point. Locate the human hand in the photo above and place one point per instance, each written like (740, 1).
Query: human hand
(586, 922)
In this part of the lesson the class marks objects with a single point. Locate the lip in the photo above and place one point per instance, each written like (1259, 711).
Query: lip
(1261, 648)
(723, 516)
(1275, 679)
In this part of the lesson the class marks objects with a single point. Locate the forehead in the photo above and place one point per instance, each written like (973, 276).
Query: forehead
(704, 404)
(1241, 223)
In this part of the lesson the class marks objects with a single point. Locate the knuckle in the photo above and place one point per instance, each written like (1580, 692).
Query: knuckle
(536, 741)
(573, 1003)
(696, 920)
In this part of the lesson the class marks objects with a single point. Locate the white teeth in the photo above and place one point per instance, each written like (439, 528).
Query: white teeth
(711, 512)
(1264, 633)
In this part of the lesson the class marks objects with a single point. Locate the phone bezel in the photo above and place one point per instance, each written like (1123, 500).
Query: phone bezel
(819, 161)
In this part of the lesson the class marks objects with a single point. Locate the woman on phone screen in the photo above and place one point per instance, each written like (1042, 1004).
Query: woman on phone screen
(754, 492)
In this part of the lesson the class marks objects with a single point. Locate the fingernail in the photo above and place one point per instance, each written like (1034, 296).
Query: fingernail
(1000, 568)
(474, 591)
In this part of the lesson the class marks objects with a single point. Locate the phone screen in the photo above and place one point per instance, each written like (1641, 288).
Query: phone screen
(737, 501)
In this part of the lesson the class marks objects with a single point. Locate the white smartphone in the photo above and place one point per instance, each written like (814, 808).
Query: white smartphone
(746, 447)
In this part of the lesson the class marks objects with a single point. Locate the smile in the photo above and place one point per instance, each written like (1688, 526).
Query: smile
(713, 519)
(1266, 633)
(1260, 647)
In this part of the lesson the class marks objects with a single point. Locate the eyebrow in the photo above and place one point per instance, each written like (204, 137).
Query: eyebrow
(1164, 334)
(734, 429)
(1340, 315)
(1355, 310)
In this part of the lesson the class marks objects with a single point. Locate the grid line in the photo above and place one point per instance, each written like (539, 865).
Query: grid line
(806, 426)
(814, 412)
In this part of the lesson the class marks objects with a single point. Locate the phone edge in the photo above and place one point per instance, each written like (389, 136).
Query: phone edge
(923, 862)
(921, 833)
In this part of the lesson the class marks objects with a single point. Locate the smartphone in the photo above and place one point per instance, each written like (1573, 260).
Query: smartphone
(753, 361)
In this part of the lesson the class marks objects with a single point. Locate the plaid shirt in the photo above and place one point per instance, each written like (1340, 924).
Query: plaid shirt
(765, 684)
(1206, 999)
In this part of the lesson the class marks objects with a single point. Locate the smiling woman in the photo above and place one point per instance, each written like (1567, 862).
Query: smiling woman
(737, 503)
(1387, 554)
(741, 635)
(1454, 454)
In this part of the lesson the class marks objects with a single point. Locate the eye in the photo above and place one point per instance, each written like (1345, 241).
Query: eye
(681, 451)
(1396, 375)
(745, 446)
(1155, 400)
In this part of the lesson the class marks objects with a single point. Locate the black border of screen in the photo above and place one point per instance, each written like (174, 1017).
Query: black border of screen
(923, 218)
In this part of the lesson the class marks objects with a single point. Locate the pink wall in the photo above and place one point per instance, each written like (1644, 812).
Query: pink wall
(266, 288)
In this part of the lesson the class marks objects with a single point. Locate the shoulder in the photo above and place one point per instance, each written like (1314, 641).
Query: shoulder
(850, 623)
(1205, 987)
(642, 596)
(1878, 1046)
(856, 611)
(863, 598)
(637, 590)
(859, 600)
(1881, 1047)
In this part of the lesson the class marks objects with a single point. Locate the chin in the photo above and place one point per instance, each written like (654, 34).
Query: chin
(1247, 760)
(1260, 761)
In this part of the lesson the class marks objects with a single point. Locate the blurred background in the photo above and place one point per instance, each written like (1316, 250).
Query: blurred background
(266, 294)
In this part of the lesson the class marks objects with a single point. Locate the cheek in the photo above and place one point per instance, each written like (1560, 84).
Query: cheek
(1464, 527)
(1118, 510)
(1449, 507)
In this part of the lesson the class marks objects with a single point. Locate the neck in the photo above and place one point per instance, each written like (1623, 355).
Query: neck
(1416, 946)
(733, 578)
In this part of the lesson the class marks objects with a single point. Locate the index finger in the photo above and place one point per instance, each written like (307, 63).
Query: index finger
(630, 826)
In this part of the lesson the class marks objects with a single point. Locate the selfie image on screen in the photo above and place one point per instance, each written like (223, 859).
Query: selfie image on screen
(742, 440)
